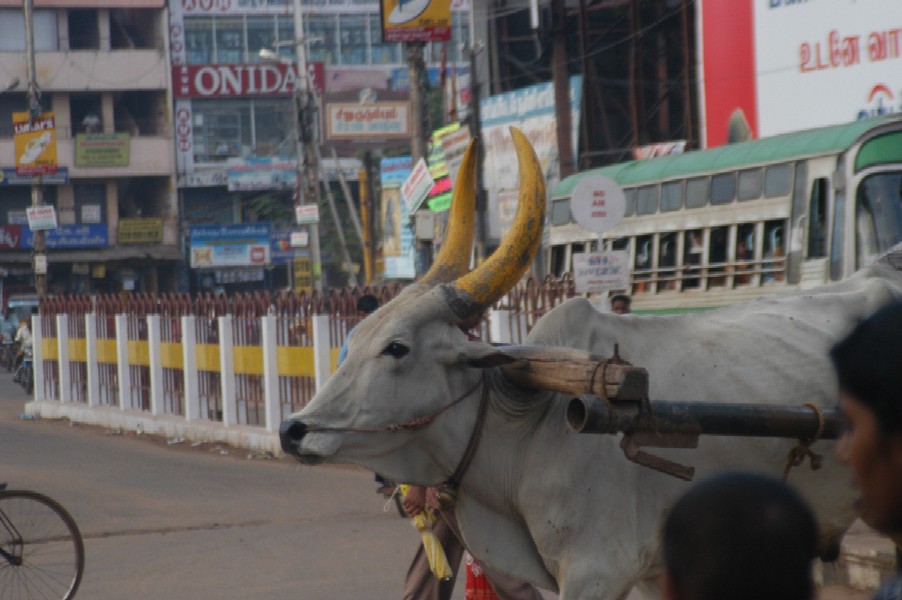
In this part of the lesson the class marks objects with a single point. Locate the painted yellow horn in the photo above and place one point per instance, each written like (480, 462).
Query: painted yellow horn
(453, 259)
(477, 290)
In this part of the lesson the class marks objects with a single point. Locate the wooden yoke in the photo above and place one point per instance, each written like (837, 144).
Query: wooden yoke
(575, 372)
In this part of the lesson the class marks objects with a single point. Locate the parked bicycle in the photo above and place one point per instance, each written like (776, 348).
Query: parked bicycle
(42, 554)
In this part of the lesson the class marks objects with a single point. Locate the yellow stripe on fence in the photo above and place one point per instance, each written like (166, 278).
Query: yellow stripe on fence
(49, 349)
(294, 361)
(139, 353)
(247, 360)
(171, 355)
(78, 350)
(106, 352)
(208, 357)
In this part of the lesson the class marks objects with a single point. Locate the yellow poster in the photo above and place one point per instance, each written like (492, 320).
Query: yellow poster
(416, 20)
(35, 144)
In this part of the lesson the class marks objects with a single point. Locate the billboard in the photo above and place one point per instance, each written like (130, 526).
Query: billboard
(531, 109)
(35, 143)
(398, 244)
(415, 20)
(781, 65)
(245, 245)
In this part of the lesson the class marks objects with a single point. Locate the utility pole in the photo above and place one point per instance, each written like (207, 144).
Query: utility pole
(476, 132)
(561, 74)
(416, 71)
(39, 256)
(306, 110)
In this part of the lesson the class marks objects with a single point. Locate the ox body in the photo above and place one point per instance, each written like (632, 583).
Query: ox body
(537, 501)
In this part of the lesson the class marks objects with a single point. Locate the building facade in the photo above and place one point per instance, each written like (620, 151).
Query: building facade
(234, 125)
(102, 69)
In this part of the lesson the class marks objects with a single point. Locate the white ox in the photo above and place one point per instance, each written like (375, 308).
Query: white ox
(567, 511)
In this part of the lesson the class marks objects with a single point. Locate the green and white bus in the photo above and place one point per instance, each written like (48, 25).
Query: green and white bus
(712, 227)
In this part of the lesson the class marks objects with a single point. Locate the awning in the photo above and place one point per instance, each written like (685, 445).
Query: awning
(127, 252)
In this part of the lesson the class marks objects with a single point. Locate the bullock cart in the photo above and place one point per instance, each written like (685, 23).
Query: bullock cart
(612, 397)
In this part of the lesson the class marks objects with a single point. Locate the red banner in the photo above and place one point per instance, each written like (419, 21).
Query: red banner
(232, 80)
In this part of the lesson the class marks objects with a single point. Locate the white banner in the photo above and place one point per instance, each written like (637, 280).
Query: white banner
(597, 272)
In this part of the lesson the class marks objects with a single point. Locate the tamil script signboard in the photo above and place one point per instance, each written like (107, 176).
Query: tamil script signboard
(41, 218)
(260, 173)
(244, 245)
(417, 185)
(102, 149)
(597, 272)
(380, 120)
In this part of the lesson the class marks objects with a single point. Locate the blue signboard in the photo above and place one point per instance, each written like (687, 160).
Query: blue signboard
(230, 245)
(8, 176)
(95, 235)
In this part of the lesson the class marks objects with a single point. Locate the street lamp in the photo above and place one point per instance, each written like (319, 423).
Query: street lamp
(305, 139)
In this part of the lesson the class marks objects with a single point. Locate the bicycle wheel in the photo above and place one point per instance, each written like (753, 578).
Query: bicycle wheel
(42, 554)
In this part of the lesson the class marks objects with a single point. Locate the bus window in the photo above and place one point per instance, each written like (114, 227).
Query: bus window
(630, 202)
(878, 213)
(745, 253)
(717, 256)
(642, 264)
(560, 212)
(647, 200)
(697, 192)
(667, 261)
(777, 181)
(751, 183)
(671, 196)
(774, 250)
(693, 248)
(723, 188)
(817, 219)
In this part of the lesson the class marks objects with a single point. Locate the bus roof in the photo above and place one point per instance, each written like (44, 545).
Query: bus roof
(812, 142)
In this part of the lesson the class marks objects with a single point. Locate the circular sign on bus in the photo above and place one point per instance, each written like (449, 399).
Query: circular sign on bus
(597, 203)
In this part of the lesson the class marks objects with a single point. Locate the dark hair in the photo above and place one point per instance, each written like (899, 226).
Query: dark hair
(868, 365)
(621, 298)
(741, 536)
(367, 303)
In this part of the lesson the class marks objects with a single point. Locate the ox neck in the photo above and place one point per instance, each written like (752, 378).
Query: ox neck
(453, 482)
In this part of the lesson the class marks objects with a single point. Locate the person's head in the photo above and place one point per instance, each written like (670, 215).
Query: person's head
(620, 304)
(367, 305)
(741, 536)
(868, 365)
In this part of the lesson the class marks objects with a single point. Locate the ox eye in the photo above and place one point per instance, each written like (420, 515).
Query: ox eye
(396, 350)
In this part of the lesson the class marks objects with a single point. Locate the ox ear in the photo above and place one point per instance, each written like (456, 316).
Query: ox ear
(482, 356)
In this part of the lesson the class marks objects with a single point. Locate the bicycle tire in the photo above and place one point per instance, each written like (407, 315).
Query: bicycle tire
(48, 550)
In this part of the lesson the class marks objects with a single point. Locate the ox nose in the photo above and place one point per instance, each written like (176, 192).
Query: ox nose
(290, 435)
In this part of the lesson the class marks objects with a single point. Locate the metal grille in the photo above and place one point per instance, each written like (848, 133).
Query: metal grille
(49, 308)
(294, 328)
(76, 308)
(247, 310)
(207, 308)
(106, 307)
(172, 308)
(531, 299)
(138, 307)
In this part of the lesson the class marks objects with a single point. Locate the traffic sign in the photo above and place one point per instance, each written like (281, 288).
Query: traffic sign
(597, 203)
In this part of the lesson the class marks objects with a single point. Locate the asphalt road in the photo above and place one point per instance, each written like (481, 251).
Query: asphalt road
(173, 521)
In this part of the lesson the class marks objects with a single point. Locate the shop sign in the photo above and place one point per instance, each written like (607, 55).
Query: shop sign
(10, 237)
(69, 236)
(41, 217)
(416, 21)
(379, 120)
(8, 176)
(306, 214)
(229, 245)
(35, 143)
(102, 149)
(141, 230)
(281, 251)
(81, 268)
(233, 80)
(598, 272)
(260, 173)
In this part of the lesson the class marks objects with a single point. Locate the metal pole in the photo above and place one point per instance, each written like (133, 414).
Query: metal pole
(39, 255)
(307, 139)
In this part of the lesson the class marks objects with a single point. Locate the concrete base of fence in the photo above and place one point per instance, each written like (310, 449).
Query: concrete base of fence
(242, 436)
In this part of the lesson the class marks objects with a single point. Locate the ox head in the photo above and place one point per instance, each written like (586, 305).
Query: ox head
(409, 361)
